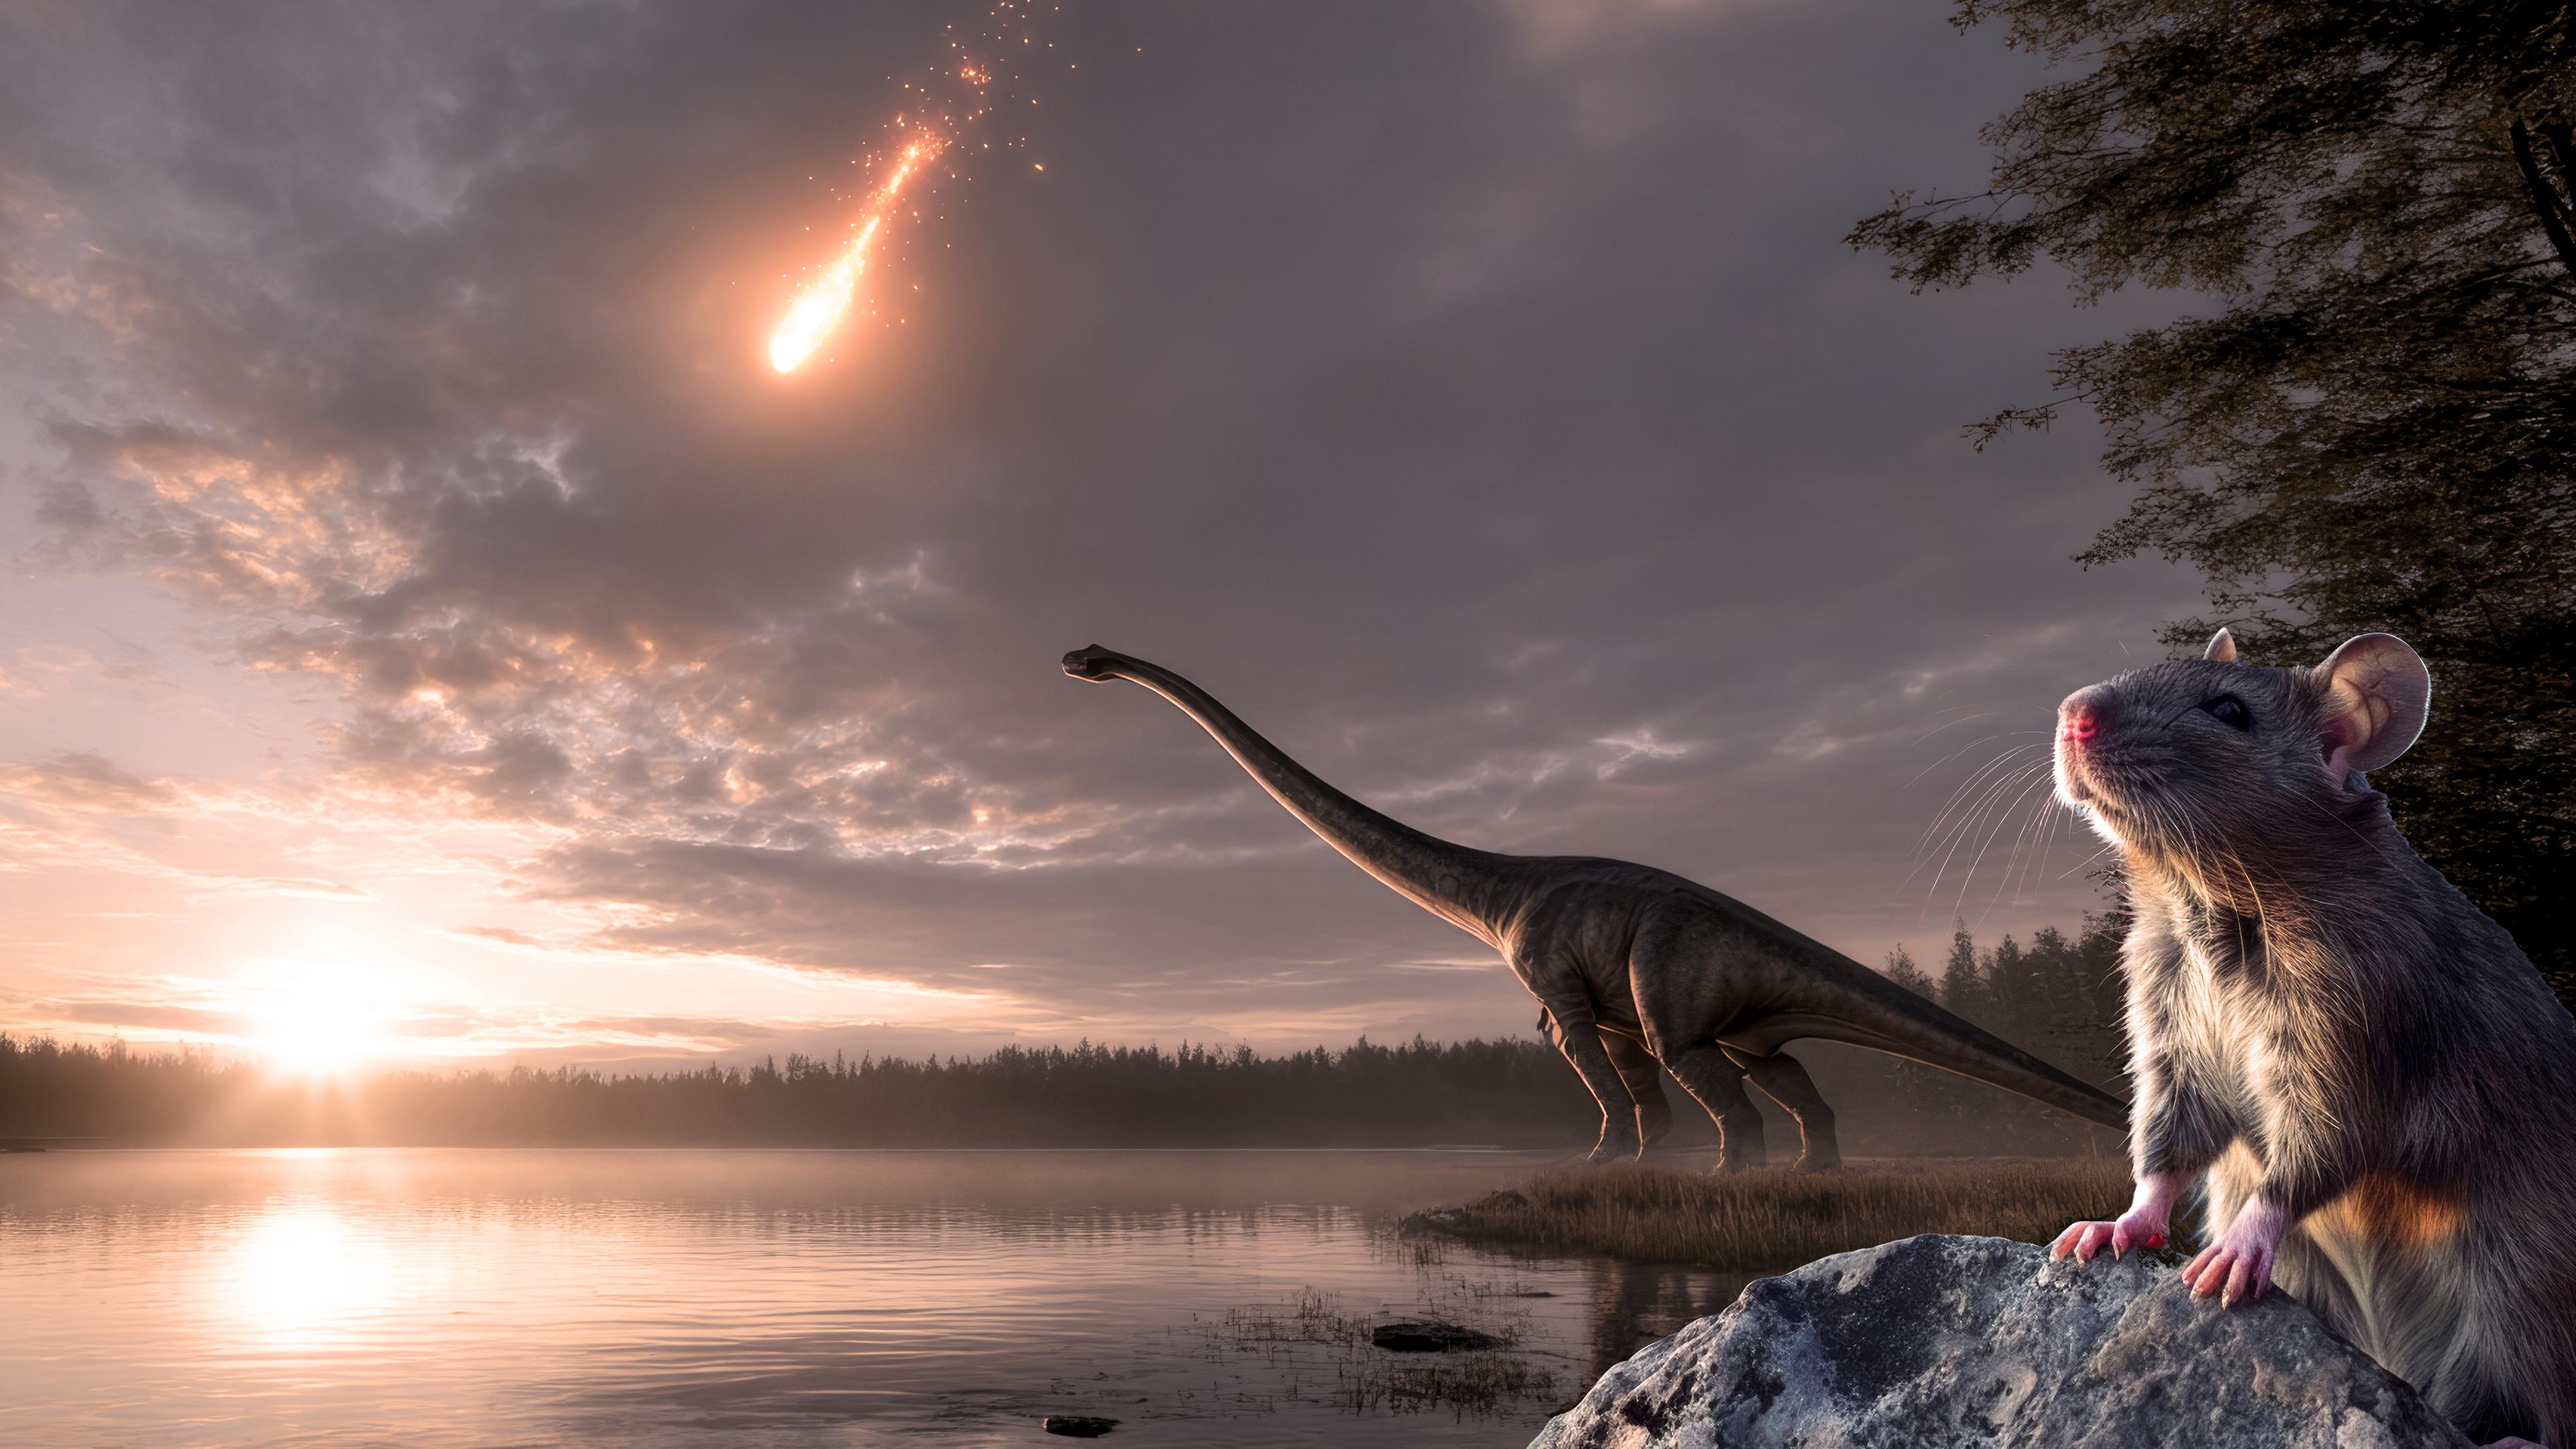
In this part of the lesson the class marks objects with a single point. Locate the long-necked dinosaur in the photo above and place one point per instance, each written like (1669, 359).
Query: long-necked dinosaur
(1628, 962)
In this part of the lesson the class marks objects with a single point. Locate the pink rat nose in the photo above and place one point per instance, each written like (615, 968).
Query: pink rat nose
(2078, 722)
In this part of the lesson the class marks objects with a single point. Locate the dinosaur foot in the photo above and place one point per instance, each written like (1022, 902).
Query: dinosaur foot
(1614, 1150)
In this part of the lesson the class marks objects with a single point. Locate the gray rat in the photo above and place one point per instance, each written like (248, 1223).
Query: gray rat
(2379, 1086)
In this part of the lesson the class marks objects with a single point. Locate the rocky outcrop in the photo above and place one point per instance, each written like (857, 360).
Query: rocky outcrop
(1940, 1341)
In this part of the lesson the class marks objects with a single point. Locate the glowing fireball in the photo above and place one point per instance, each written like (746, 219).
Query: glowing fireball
(821, 306)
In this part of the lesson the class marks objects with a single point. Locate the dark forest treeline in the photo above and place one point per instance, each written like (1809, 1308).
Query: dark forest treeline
(2058, 996)
(1085, 1096)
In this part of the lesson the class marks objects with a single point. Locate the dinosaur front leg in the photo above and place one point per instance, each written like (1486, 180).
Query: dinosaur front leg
(1709, 1075)
(1569, 1024)
(1642, 1075)
(1784, 1081)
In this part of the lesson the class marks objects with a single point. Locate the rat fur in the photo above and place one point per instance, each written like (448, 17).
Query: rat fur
(2378, 1087)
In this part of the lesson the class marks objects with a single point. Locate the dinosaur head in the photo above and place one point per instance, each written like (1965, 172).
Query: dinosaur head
(1093, 663)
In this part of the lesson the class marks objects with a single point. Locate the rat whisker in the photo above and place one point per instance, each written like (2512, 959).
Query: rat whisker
(1987, 738)
(2001, 818)
(1951, 724)
(2107, 848)
(2052, 823)
(1988, 802)
(2018, 857)
(2003, 760)
(1991, 806)
(2380, 849)
(1966, 819)
(1970, 745)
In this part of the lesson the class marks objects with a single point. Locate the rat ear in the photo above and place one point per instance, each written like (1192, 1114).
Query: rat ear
(2377, 693)
(2222, 648)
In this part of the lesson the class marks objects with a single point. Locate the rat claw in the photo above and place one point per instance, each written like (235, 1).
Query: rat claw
(2234, 1287)
(2081, 1239)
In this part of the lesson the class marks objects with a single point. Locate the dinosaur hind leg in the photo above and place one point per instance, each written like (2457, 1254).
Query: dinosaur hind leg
(1783, 1080)
(1568, 1023)
(1718, 1083)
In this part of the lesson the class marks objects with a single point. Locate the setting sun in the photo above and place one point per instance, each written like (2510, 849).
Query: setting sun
(316, 1017)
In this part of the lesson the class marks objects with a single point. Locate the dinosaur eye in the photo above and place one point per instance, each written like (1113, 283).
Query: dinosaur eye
(2230, 711)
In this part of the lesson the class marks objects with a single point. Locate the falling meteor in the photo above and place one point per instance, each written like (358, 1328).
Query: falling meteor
(947, 107)
(820, 308)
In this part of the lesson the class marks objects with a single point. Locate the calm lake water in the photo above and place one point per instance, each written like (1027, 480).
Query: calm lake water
(423, 1297)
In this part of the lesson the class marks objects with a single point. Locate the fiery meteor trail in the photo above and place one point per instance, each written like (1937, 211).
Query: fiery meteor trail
(821, 306)
(944, 106)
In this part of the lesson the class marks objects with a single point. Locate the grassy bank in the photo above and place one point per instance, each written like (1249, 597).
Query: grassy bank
(1776, 1218)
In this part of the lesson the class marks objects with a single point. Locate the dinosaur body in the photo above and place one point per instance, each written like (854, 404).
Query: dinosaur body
(1634, 965)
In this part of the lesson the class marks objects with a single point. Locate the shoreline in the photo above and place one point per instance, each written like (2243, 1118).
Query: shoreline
(1774, 1219)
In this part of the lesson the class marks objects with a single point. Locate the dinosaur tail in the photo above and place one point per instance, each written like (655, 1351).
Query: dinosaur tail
(1921, 1031)
(1857, 1005)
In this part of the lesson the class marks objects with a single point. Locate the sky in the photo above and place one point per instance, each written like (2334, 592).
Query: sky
(434, 632)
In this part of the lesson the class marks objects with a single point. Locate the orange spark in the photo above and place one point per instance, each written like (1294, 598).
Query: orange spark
(821, 306)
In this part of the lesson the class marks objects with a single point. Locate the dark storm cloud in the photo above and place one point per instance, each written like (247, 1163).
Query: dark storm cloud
(1476, 398)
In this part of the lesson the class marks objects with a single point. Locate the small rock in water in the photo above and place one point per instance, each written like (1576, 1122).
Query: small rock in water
(1935, 1342)
(1428, 1338)
(1077, 1426)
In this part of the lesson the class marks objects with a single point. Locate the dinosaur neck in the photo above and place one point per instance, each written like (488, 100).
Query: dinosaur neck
(1467, 888)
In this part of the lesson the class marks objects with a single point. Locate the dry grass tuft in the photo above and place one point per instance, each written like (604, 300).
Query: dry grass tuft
(1776, 1218)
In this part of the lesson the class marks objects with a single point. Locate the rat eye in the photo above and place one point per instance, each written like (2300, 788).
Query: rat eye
(2230, 711)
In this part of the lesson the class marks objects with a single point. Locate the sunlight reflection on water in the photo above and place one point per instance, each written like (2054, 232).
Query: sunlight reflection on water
(770, 1298)
(297, 1272)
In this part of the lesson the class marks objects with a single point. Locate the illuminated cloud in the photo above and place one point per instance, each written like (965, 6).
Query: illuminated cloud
(1485, 410)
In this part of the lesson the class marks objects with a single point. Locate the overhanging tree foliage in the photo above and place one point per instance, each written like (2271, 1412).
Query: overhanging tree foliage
(2373, 423)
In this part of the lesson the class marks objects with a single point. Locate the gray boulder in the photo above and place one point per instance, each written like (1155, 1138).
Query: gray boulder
(1938, 1341)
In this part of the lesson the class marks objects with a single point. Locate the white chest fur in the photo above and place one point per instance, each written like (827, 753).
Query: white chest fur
(2218, 1024)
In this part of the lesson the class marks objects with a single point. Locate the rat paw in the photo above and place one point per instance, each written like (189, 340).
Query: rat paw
(2234, 1275)
(2238, 1267)
(2144, 1225)
(2083, 1240)
(2135, 1228)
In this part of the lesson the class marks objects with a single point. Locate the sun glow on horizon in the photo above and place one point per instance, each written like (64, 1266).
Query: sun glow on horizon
(324, 1018)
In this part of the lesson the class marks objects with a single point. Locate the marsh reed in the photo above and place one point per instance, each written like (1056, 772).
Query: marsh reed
(1776, 1218)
